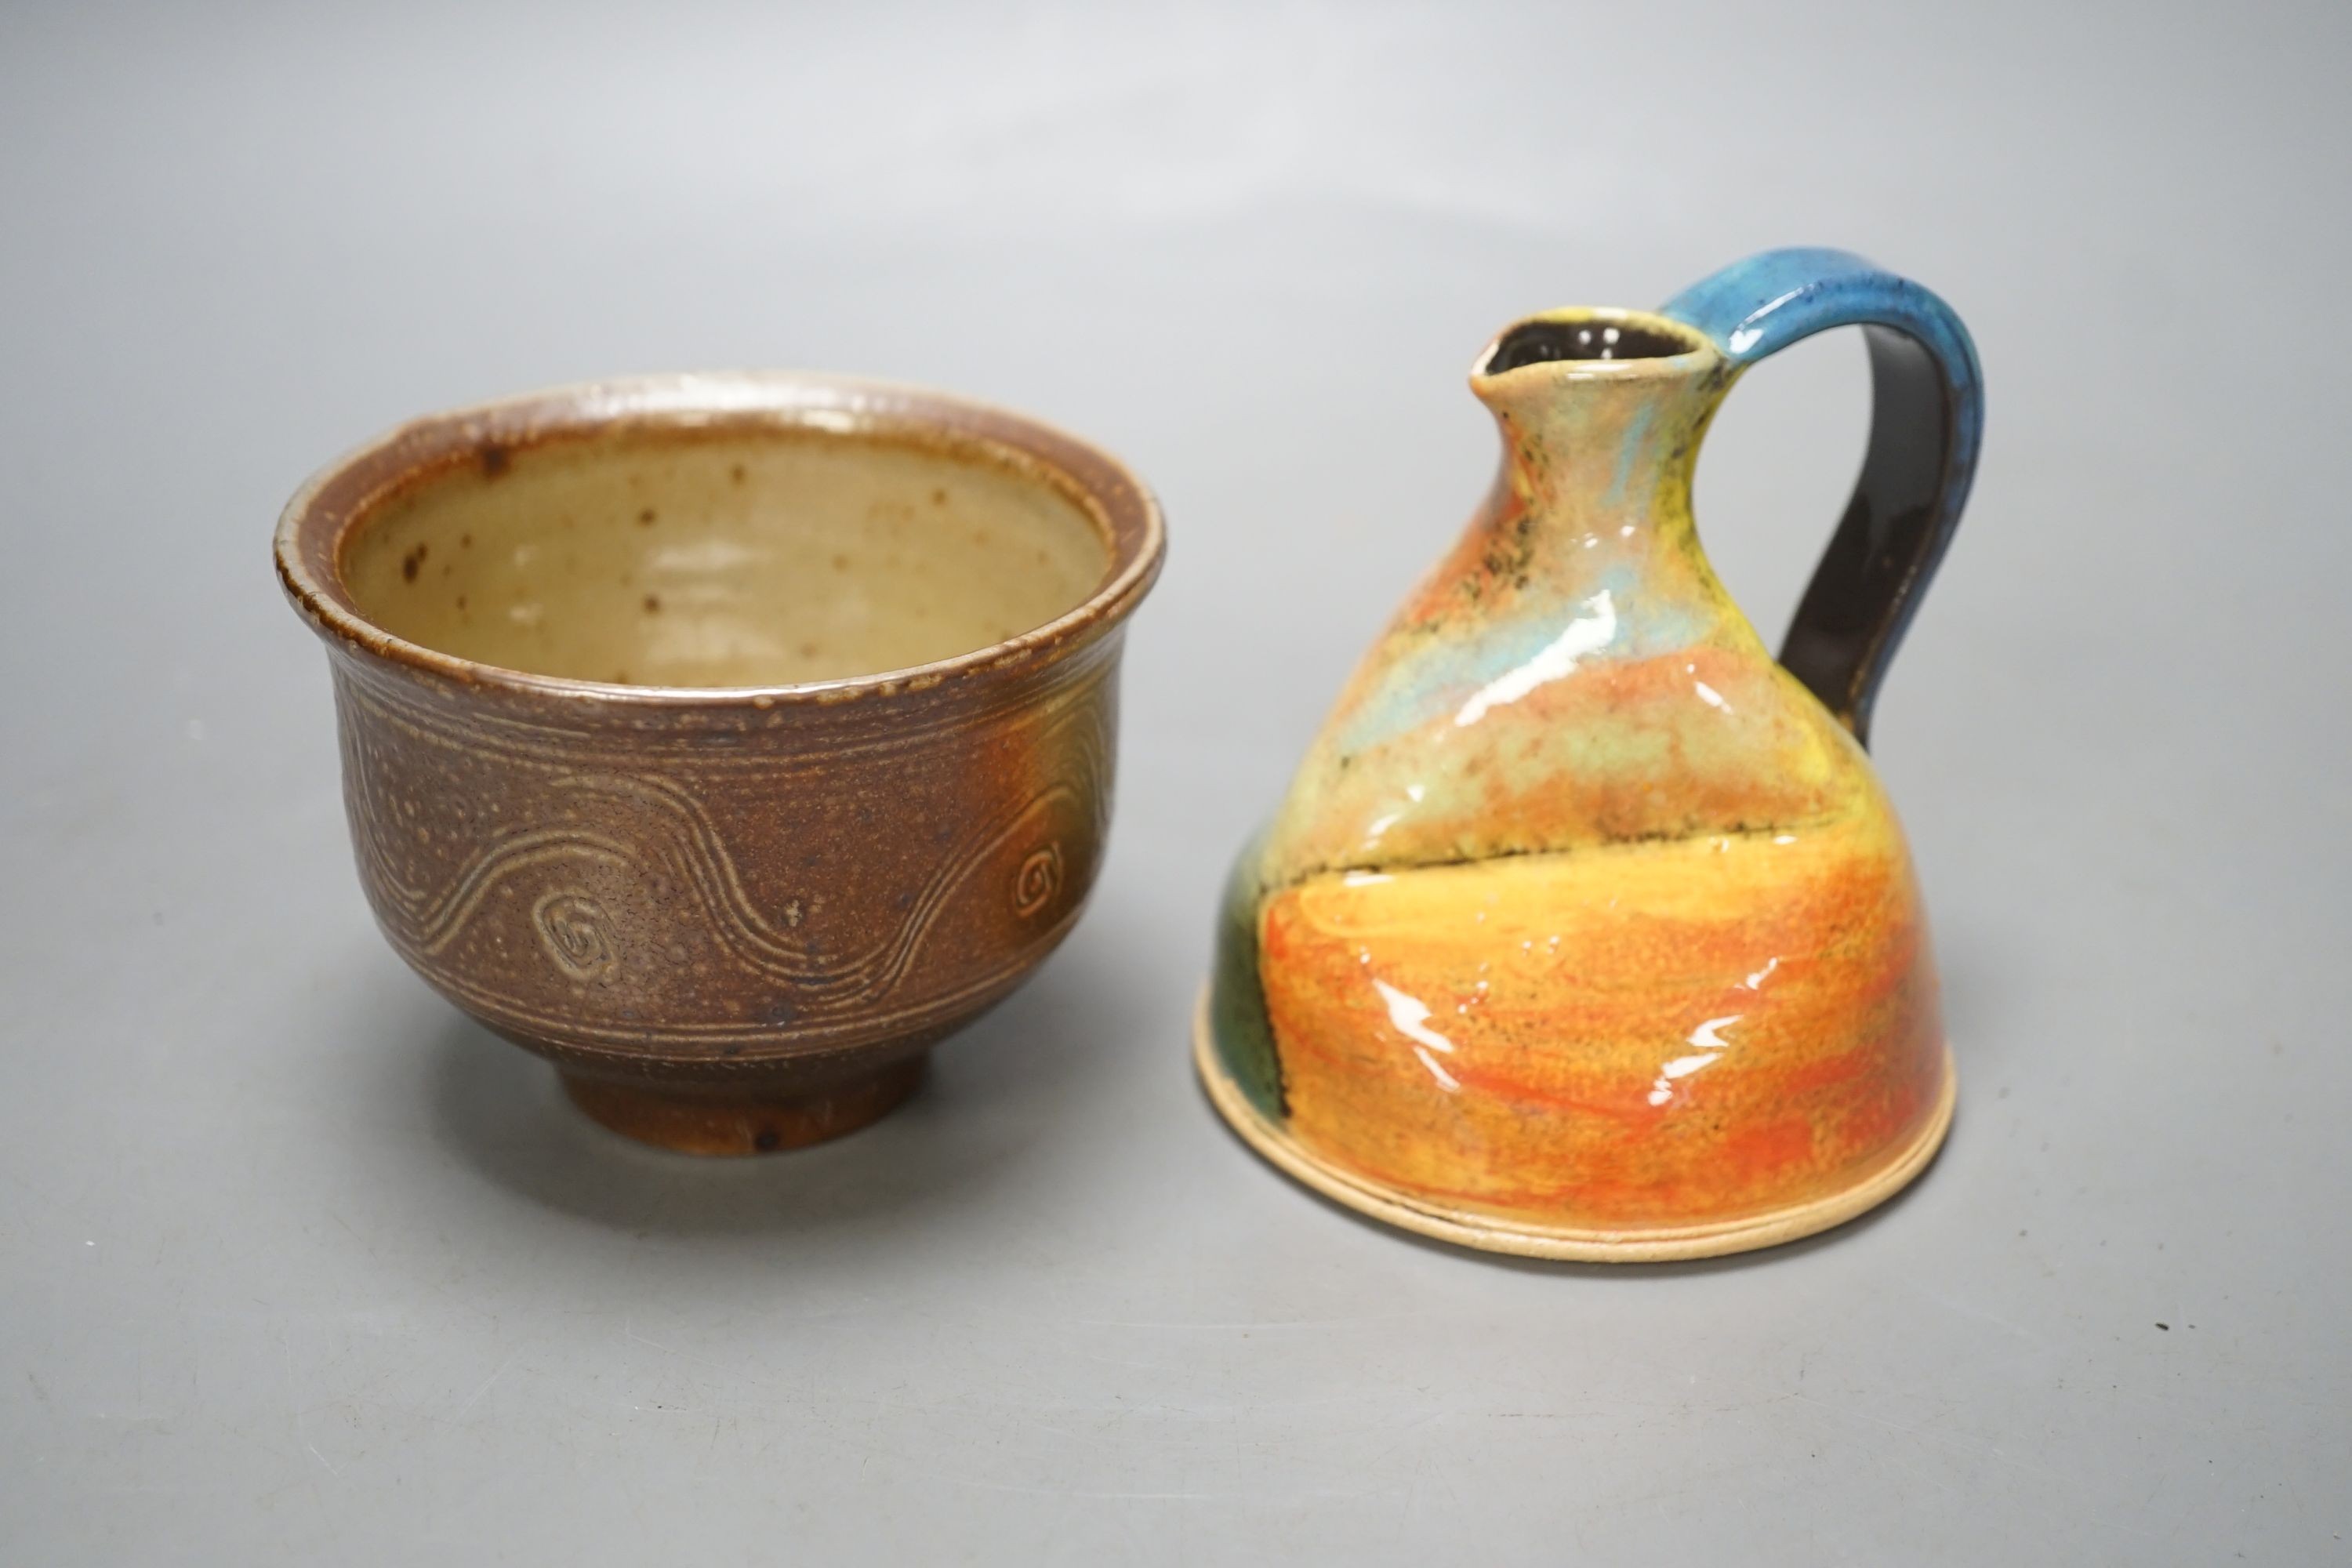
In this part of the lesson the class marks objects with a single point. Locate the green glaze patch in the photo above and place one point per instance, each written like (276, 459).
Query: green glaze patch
(1237, 1015)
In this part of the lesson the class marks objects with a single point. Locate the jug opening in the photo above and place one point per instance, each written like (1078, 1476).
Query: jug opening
(1587, 337)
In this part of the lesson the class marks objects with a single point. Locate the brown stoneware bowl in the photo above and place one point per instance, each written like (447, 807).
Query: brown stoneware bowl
(727, 740)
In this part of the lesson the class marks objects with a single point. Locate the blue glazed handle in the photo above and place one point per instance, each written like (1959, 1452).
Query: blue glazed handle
(1926, 421)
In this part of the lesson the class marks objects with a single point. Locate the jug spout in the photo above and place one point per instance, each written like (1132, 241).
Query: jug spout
(1601, 412)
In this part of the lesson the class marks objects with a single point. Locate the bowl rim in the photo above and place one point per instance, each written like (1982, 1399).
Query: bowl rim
(324, 512)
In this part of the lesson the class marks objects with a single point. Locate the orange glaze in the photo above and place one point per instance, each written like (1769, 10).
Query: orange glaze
(1651, 1033)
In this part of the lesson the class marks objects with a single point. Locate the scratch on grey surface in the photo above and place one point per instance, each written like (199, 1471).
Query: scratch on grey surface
(367, 1246)
(1138, 1365)
(1967, 1310)
(1252, 1322)
(1413, 1469)
(1087, 1495)
(485, 1388)
(294, 1403)
(629, 1330)
(1841, 1410)
(313, 1446)
(1116, 1417)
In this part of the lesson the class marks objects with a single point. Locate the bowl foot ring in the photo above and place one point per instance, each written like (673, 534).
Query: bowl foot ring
(705, 1121)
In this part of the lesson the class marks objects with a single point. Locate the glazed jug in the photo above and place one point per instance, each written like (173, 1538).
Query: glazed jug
(1586, 929)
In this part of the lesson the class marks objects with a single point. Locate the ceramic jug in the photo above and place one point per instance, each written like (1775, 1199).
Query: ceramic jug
(1586, 929)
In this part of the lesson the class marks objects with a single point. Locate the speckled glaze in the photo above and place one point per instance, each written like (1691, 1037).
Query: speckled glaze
(1585, 930)
(735, 913)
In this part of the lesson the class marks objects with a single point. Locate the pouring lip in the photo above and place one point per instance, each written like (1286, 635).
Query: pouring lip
(1697, 353)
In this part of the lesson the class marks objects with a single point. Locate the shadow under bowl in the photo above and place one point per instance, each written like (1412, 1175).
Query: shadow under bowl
(623, 781)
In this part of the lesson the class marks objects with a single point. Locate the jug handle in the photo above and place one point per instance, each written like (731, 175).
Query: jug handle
(1927, 421)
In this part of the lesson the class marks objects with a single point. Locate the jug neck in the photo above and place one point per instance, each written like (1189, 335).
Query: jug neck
(1601, 412)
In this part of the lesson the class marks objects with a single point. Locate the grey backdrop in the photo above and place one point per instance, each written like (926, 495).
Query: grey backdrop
(297, 1266)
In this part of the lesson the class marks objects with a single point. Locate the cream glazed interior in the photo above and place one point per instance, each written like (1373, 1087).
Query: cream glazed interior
(773, 556)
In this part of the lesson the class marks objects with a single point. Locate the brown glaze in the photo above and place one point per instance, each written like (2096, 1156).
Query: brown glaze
(727, 1121)
(735, 914)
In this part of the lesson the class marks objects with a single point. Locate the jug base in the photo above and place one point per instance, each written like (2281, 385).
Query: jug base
(1488, 1233)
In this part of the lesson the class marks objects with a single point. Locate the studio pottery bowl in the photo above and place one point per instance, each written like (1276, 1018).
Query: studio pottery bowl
(726, 740)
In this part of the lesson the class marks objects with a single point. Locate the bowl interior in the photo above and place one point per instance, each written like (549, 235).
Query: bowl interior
(722, 558)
